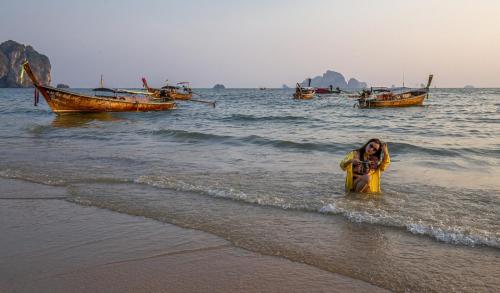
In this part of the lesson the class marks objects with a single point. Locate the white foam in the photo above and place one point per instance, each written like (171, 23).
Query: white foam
(452, 235)
(455, 235)
(180, 185)
(38, 178)
(329, 208)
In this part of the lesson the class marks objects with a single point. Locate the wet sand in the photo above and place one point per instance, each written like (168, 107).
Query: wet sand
(51, 245)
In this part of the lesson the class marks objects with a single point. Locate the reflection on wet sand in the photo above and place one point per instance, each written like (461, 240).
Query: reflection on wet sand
(81, 119)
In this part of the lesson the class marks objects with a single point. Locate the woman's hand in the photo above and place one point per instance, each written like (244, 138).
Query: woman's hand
(352, 161)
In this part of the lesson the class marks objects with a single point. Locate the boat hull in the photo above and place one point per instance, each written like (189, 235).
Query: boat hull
(307, 96)
(396, 102)
(326, 91)
(180, 96)
(61, 101)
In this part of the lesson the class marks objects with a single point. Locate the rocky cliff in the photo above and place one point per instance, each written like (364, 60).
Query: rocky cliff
(334, 79)
(12, 55)
(355, 84)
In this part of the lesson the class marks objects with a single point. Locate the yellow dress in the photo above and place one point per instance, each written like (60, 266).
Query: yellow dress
(374, 184)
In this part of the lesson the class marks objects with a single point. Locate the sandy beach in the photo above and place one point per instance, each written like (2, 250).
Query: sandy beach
(50, 245)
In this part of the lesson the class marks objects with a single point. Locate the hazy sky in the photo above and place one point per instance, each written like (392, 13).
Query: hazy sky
(260, 42)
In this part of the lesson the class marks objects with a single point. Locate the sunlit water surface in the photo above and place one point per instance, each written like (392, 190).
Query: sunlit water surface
(262, 171)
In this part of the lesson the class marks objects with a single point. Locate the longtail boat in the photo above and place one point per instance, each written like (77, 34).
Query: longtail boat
(327, 90)
(385, 97)
(62, 101)
(304, 93)
(182, 92)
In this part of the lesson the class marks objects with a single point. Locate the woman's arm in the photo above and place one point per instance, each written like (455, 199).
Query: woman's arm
(387, 159)
(349, 159)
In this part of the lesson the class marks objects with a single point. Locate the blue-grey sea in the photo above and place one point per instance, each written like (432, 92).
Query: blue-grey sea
(261, 170)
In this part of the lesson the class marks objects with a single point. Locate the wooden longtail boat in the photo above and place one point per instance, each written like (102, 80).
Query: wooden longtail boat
(62, 101)
(327, 90)
(304, 93)
(183, 92)
(384, 97)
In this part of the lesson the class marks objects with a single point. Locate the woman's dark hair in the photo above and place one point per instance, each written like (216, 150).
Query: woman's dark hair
(361, 151)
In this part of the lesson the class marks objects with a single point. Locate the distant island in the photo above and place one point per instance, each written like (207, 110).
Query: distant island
(334, 79)
(62, 86)
(219, 87)
(12, 56)
(284, 86)
(469, 87)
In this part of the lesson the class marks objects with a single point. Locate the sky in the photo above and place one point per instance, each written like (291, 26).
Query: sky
(260, 43)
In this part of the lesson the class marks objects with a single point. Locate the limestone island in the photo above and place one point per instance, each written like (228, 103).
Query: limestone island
(334, 79)
(12, 56)
(62, 86)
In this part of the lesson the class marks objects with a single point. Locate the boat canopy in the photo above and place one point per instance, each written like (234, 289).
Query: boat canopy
(170, 87)
(119, 91)
(380, 89)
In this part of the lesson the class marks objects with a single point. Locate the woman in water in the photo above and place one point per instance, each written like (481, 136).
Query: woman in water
(364, 166)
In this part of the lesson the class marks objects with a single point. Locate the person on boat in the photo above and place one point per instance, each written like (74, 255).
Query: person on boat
(364, 167)
(298, 90)
(365, 94)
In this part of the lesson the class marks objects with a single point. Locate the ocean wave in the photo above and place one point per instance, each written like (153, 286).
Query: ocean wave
(329, 147)
(193, 136)
(179, 185)
(55, 131)
(44, 179)
(24, 110)
(38, 129)
(455, 235)
(448, 234)
(216, 190)
(253, 118)
(406, 148)
(51, 180)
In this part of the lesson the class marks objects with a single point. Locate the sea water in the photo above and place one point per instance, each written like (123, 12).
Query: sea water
(262, 171)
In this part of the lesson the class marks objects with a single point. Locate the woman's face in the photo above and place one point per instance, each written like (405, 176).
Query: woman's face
(372, 148)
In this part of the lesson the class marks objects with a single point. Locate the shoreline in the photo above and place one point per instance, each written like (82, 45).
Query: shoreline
(53, 245)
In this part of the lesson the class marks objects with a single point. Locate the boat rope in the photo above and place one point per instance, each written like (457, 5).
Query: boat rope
(36, 96)
(21, 75)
